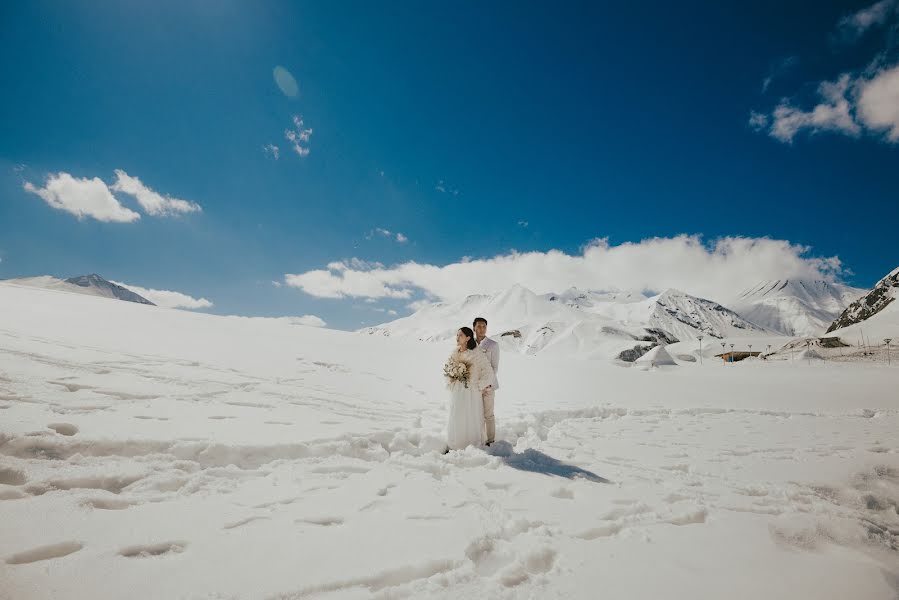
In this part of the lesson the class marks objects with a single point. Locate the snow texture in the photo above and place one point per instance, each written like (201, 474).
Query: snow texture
(153, 453)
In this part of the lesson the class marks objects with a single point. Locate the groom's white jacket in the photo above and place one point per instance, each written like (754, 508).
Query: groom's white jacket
(491, 348)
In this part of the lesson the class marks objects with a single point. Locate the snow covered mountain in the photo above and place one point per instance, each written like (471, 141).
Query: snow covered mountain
(522, 322)
(680, 315)
(589, 299)
(687, 316)
(879, 301)
(92, 285)
(793, 306)
(576, 322)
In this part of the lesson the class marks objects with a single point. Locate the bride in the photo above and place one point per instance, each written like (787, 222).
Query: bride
(466, 409)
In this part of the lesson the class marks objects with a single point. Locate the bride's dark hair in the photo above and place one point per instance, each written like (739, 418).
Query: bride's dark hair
(468, 332)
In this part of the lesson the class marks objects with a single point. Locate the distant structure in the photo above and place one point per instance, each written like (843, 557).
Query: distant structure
(736, 355)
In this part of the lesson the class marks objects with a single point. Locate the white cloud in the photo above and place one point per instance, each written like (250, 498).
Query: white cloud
(758, 121)
(856, 103)
(83, 198)
(341, 280)
(853, 26)
(523, 224)
(719, 270)
(380, 231)
(878, 102)
(168, 299)
(299, 136)
(153, 203)
(272, 150)
(306, 320)
(833, 113)
(850, 106)
(419, 304)
(309, 321)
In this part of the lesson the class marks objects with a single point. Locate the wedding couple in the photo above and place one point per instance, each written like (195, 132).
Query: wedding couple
(471, 378)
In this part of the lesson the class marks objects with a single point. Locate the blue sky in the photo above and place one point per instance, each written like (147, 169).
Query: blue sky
(473, 129)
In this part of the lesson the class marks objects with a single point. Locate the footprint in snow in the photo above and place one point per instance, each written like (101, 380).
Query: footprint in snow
(44, 553)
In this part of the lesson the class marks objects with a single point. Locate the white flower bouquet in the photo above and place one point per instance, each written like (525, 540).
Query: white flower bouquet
(456, 371)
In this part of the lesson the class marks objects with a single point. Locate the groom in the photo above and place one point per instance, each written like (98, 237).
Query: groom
(491, 348)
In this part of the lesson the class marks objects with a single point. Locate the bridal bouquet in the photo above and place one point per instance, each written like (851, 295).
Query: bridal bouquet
(455, 370)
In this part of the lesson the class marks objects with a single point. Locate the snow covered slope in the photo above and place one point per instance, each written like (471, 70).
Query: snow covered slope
(795, 307)
(580, 323)
(589, 299)
(92, 285)
(685, 316)
(531, 324)
(872, 318)
(872, 303)
(218, 457)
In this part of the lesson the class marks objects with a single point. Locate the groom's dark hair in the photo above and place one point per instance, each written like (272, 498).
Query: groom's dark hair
(479, 320)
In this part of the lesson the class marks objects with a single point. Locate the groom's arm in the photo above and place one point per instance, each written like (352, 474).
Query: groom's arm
(494, 358)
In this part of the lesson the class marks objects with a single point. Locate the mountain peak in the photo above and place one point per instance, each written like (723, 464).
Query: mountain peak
(883, 294)
(104, 287)
(795, 306)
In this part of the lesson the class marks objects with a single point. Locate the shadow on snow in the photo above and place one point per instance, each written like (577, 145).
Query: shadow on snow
(538, 462)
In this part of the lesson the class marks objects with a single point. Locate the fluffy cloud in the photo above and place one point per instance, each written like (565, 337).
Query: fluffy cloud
(418, 305)
(83, 198)
(272, 150)
(152, 202)
(308, 320)
(168, 299)
(853, 26)
(856, 103)
(848, 105)
(878, 102)
(717, 270)
(341, 279)
(832, 113)
(299, 136)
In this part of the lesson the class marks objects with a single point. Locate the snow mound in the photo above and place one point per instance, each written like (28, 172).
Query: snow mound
(657, 357)
(809, 354)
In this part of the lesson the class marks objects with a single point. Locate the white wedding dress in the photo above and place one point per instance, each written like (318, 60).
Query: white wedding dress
(465, 426)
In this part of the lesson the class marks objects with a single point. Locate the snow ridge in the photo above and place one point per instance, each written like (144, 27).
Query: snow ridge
(795, 307)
